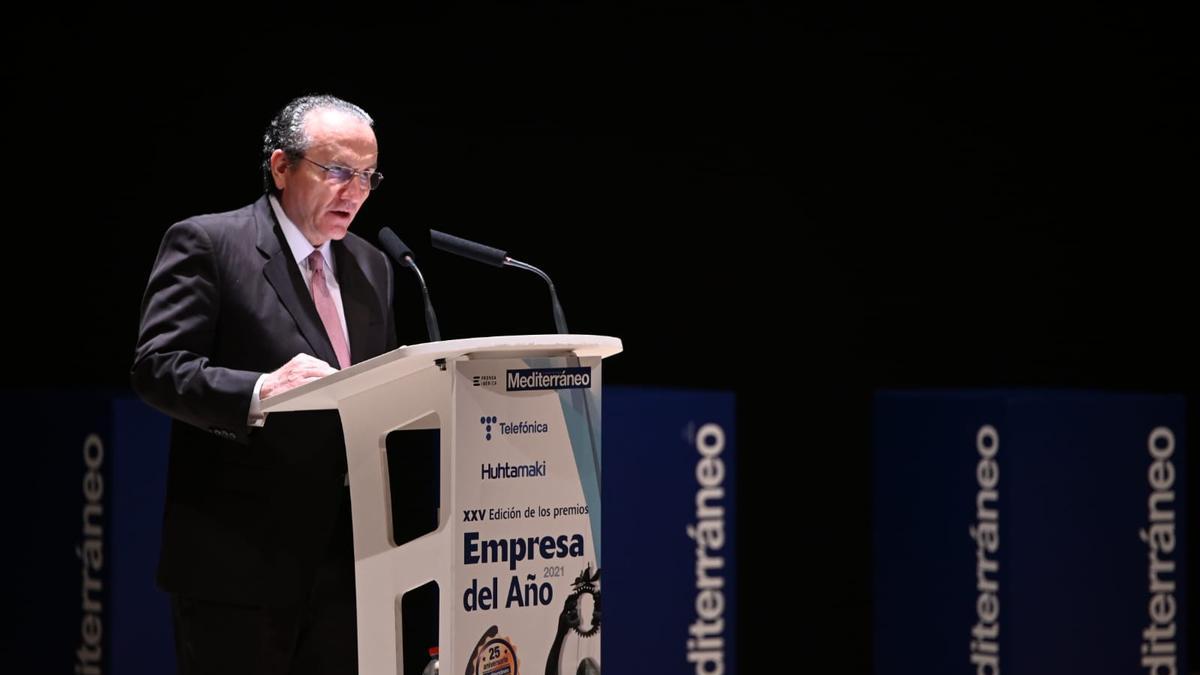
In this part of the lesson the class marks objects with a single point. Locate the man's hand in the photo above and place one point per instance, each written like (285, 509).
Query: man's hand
(302, 369)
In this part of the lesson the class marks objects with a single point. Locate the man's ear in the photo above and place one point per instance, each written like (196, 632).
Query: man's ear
(279, 168)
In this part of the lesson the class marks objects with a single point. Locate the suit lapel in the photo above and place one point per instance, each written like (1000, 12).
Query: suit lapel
(284, 276)
(359, 303)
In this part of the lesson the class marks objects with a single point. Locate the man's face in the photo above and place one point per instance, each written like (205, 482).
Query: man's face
(318, 205)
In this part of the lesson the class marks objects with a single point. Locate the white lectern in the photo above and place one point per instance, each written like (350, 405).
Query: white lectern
(516, 552)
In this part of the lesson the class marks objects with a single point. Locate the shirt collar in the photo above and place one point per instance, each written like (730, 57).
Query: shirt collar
(301, 248)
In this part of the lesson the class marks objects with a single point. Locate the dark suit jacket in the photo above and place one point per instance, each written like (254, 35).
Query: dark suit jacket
(249, 512)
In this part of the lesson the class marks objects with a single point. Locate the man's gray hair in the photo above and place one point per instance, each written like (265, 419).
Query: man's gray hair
(286, 130)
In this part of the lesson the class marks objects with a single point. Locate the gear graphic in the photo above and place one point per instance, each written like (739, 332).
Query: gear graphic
(585, 584)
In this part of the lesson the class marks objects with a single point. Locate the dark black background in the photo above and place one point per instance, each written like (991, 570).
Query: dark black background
(801, 208)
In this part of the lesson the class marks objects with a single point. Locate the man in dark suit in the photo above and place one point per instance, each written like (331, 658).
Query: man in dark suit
(240, 306)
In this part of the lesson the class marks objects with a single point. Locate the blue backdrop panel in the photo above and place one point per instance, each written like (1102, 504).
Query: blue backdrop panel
(649, 581)
(924, 502)
(1077, 580)
(55, 557)
(142, 640)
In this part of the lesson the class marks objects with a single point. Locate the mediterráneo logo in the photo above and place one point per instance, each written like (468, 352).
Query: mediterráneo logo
(538, 379)
(985, 635)
(1160, 653)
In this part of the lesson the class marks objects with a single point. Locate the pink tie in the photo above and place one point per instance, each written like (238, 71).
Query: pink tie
(327, 309)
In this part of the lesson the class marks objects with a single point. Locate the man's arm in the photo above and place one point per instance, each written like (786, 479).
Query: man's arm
(171, 367)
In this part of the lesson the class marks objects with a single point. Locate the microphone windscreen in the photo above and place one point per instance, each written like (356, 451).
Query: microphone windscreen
(468, 249)
(394, 247)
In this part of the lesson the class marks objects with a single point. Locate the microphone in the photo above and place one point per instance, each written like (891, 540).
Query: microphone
(496, 258)
(403, 256)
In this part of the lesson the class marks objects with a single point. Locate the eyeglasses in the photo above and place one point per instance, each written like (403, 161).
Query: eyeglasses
(341, 175)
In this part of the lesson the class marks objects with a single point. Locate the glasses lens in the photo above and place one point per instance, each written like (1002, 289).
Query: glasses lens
(376, 179)
(340, 174)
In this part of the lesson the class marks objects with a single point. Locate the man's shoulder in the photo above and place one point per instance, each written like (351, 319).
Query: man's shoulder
(362, 249)
(226, 224)
(357, 244)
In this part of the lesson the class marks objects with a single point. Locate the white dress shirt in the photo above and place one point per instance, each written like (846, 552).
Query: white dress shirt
(301, 249)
